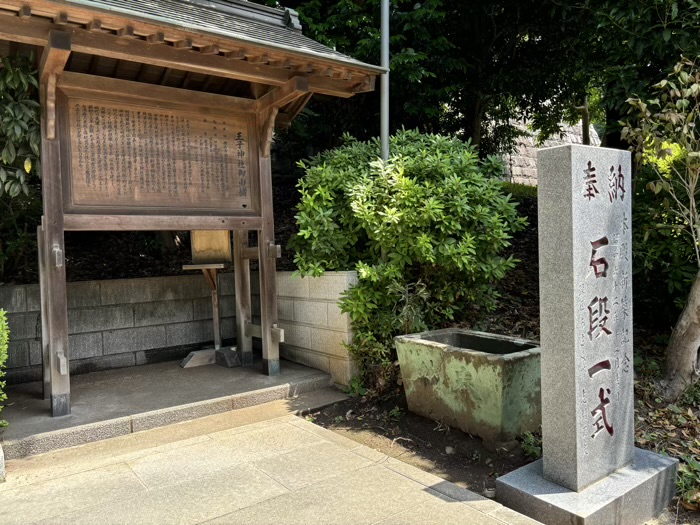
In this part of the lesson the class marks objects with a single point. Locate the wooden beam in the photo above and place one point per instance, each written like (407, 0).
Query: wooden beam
(45, 341)
(60, 19)
(166, 97)
(209, 50)
(94, 64)
(257, 59)
(94, 25)
(278, 97)
(126, 32)
(183, 44)
(55, 56)
(186, 80)
(244, 316)
(237, 54)
(25, 11)
(165, 76)
(53, 60)
(266, 242)
(89, 222)
(55, 307)
(285, 63)
(156, 38)
(284, 120)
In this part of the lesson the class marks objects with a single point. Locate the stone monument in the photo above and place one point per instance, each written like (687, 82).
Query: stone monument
(590, 472)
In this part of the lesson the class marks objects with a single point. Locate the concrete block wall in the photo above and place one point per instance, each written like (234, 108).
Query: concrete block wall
(128, 322)
(315, 331)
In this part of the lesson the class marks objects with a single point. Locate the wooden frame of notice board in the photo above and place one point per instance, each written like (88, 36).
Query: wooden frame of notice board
(120, 142)
(123, 155)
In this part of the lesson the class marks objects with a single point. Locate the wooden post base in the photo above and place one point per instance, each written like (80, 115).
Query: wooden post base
(246, 357)
(271, 367)
(60, 405)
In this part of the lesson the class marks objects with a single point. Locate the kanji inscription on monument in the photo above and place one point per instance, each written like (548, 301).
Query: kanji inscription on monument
(135, 156)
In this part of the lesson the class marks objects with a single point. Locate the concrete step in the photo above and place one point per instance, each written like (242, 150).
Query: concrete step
(302, 395)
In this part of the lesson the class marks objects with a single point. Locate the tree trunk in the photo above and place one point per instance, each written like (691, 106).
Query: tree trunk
(613, 132)
(472, 113)
(585, 121)
(682, 351)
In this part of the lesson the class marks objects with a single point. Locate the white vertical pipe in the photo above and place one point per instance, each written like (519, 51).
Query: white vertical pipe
(384, 111)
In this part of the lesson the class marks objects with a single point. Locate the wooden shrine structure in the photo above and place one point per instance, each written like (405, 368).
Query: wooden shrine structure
(158, 115)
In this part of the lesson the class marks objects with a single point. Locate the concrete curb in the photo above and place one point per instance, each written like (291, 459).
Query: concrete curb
(80, 435)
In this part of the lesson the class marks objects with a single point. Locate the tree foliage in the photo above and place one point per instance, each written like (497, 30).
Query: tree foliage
(631, 44)
(20, 139)
(424, 230)
(464, 68)
(672, 117)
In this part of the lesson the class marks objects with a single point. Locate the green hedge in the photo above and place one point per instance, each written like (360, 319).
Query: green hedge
(426, 232)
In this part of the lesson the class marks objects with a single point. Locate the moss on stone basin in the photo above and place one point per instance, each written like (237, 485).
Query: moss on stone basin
(484, 384)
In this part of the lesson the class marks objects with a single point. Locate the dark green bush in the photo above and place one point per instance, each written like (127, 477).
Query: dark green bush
(4, 343)
(520, 191)
(424, 231)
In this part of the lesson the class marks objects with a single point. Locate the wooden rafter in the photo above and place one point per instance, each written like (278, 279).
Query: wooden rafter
(283, 95)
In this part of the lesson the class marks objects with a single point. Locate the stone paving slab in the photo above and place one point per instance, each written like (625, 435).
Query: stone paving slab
(257, 465)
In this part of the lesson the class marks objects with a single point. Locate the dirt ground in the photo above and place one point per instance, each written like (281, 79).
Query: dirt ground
(385, 425)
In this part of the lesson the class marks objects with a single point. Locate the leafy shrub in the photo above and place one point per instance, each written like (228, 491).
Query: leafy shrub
(20, 139)
(531, 445)
(424, 231)
(688, 482)
(4, 342)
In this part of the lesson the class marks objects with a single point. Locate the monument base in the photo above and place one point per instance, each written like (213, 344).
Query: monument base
(628, 496)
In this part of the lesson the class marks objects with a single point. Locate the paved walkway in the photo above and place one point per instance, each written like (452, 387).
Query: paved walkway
(257, 465)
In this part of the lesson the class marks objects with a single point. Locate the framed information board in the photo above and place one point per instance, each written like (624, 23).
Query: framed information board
(127, 155)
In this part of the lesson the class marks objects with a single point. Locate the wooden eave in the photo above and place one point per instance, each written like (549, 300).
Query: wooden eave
(108, 34)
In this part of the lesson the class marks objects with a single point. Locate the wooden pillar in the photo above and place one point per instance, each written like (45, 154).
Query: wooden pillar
(54, 307)
(45, 355)
(267, 251)
(241, 268)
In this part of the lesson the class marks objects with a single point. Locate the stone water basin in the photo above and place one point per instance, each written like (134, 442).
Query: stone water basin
(485, 384)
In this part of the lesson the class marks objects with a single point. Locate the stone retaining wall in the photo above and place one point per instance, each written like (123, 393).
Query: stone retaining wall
(128, 322)
(522, 163)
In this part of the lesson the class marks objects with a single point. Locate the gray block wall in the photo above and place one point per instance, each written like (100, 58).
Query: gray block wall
(521, 165)
(128, 322)
(315, 331)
